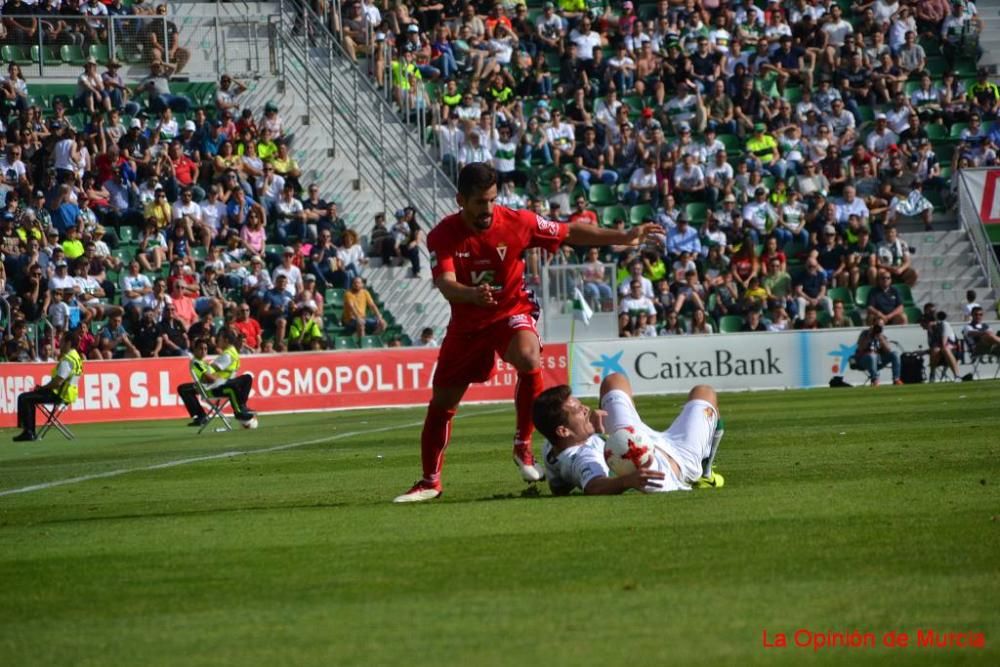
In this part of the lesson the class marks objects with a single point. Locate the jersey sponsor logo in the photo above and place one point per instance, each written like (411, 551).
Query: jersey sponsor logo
(482, 277)
(521, 321)
(463, 255)
(502, 251)
(547, 226)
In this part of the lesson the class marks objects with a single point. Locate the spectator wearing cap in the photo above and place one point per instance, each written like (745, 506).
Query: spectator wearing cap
(643, 184)
(118, 92)
(305, 330)
(180, 173)
(158, 210)
(762, 149)
(688, 176)
(832, 257)
(549, 29)
(881, 140)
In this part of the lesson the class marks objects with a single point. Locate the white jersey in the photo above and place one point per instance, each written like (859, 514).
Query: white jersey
(687, 442)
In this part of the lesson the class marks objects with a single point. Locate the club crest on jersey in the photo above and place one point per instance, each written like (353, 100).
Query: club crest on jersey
(502, 251)
(547, 226)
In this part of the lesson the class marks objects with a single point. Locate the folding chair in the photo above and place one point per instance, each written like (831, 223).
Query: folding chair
(52, 413)
(984, 357)
(215, 404)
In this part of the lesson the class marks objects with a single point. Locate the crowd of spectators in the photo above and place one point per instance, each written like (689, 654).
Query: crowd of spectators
(780, 143)
(149, 219)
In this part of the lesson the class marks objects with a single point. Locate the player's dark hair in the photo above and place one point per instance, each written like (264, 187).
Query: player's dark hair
(548, 413)
(476, 177)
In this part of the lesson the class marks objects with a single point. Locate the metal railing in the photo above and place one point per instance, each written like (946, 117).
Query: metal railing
(360, 122)
(968, 215)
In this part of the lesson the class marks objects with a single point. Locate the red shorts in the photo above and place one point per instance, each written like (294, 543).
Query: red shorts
(467, 358)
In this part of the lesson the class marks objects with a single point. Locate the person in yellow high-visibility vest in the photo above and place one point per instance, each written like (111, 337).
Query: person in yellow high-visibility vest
(219, 378)
(62, 388)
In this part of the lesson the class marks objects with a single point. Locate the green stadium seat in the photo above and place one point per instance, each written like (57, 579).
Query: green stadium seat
(841, 293)
(640, 212)
(72, 55)
(913, 314)
(370, 342)
(857, 317)
(861, 296)
(697, 213)
(199, 253)
(906, 295)
(612, 213)
(733, 144)
(634, 102)
(730, 324)
(47, 55)
(16, 54)
(936, 66)
(100, 53)
(345, 343)
(602, 195)
(793, 94)
(124, 255)
(334, 296)
(936, 131)
(126, 234)
(956, 131)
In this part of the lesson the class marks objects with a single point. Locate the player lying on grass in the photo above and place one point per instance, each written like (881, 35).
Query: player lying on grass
(574, 453)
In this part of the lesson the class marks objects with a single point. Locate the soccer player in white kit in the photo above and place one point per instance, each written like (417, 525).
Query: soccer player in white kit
(574, 452)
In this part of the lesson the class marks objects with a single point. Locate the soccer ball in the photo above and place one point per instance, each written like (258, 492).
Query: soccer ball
(628, 449)
(250, 423)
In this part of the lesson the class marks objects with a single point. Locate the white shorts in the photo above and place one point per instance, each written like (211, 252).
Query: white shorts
(687, 441)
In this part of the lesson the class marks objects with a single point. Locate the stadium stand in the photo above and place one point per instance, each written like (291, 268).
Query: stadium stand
(216, 170)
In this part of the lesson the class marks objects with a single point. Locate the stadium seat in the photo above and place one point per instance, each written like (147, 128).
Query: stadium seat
(697, 213)
(126, 234)
(640, 212)
(345, 343)
(123, 255)
(905, 294)
(334, 296)
(857, 317)
(842, 293)
(913, 314)
(602, 195)
(16, 54)
(733, 144)
(956, 131)
(861, 296)
(100, 53)
(370, 342)
(72, 55)
(612, 213)
(730, 324)
(936, 131)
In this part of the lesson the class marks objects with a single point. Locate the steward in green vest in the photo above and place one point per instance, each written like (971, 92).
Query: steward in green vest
(219, 379)
(61, 389)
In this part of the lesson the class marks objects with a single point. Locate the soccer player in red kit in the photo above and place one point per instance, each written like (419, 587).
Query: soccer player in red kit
(477, 263)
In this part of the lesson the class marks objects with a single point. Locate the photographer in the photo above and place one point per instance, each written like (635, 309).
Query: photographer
(874, 353)
(941, 340)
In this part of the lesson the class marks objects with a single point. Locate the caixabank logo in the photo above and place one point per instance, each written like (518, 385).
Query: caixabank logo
(653, 365)
(842, 358)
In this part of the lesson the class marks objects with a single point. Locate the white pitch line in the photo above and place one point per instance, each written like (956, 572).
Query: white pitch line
(214, 457)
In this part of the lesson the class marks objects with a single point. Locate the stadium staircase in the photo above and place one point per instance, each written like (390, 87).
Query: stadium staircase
(346, 137)
(989, 40)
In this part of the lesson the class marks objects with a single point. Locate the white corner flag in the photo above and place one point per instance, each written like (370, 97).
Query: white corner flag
(581, 309)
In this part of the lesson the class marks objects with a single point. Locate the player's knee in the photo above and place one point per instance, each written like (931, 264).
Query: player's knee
(704, 392)
(616, 381)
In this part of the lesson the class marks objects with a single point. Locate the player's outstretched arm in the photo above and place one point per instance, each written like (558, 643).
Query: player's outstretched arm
(610, 486)
(585, 234)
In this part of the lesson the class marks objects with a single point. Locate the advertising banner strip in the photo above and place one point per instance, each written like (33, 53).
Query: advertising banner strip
(732, 362)
(147, 388)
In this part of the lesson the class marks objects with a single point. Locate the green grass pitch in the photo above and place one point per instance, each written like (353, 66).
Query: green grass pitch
(876, 510)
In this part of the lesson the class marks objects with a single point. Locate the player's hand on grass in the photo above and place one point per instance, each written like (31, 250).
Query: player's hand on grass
(637, 235)
(643, 478)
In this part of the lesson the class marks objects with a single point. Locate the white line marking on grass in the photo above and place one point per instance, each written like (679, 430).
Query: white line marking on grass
(214, 457)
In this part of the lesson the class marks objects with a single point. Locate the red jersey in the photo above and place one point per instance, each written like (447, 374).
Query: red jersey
(493, 257)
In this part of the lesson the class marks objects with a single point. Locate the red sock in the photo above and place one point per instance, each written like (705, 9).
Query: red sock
(529, 386)
(434, 440)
